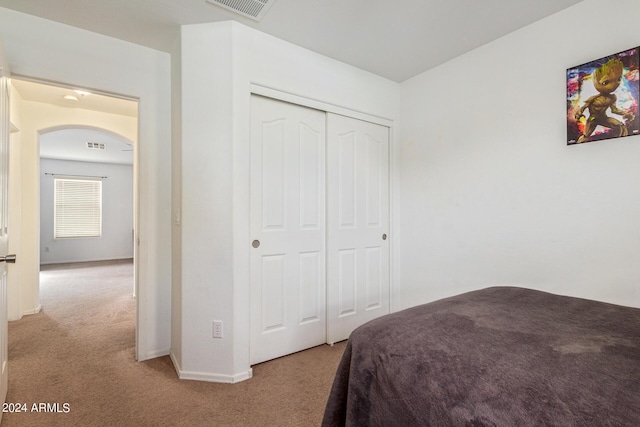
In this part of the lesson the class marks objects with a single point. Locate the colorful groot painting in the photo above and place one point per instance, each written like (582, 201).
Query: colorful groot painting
(602, 98)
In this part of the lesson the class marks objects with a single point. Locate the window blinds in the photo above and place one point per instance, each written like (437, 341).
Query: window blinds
(78, 208)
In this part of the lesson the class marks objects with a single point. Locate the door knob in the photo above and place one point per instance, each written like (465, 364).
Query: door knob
(384, 237)
(9, 259)
(255, 243)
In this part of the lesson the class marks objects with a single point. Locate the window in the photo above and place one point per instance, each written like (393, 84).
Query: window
(78, 208)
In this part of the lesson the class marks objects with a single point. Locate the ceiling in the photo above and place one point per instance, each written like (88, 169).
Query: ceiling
(394, 39)
(71, 143)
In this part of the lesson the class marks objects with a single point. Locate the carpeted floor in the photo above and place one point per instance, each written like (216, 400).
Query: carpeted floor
(79, 351)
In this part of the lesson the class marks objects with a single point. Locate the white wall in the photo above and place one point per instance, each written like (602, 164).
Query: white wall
(219, 63)
(116, 241)
(48, 50)
(492, 195)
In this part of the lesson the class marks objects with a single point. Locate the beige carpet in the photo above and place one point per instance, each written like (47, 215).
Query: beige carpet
(80, 351)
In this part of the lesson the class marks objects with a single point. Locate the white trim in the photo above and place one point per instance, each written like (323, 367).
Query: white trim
(154, 354)
(176, 365)
(212, 378)
(74, 261)
(257, 89)
(34, 311)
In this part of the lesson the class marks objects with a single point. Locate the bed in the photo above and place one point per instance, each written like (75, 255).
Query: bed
(501, 356)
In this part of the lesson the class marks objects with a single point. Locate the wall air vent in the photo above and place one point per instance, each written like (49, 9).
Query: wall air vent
(254, 9)
(95, 145)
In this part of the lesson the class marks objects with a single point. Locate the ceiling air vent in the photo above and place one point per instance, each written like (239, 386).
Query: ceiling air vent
(254, 9)
(95, 145)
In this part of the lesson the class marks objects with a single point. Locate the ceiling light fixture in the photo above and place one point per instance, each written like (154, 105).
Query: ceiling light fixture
(70, 98)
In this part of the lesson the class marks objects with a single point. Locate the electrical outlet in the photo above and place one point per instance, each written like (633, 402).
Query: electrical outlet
(217, 329)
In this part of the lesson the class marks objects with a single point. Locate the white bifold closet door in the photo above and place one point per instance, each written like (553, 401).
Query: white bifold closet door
(288, 291)
(319, 223)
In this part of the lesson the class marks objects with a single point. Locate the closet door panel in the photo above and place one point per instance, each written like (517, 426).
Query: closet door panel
(272, 174)
(357, 224)
(346, 185)
(288, 228)
(347, 282)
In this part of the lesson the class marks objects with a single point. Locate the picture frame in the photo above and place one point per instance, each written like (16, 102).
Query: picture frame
(602, 98)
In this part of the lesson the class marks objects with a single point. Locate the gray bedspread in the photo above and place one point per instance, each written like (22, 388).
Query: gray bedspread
(499, 356)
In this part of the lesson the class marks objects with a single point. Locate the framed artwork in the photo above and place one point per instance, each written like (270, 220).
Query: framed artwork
(602, 98)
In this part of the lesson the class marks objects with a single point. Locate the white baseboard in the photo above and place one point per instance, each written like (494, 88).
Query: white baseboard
(212, 378)
(176, 365)
(153, 355)
(73, 261)
(34, 311)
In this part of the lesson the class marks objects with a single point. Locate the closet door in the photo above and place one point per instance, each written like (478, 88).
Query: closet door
(357, 224)
(288, 252)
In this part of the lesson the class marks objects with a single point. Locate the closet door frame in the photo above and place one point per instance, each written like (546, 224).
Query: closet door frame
(323, 106)
(256, 89)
